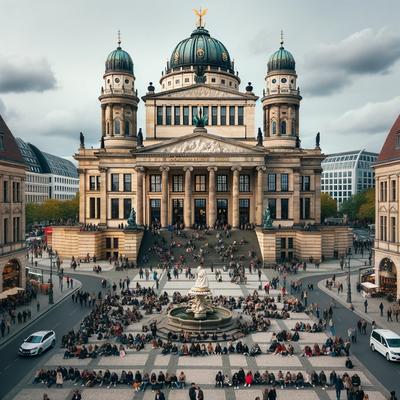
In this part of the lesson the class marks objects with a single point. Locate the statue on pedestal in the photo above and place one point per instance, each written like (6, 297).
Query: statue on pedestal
(267, 220)
(199, 305)
(132, 220)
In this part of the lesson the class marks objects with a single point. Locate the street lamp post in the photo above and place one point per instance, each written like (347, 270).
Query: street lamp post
(51, 294)
(348, 282)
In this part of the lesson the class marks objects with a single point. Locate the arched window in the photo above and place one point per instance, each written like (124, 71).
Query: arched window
(127, 128)
(117, 127)
(283, 128)
(273, 127)
(293, 127)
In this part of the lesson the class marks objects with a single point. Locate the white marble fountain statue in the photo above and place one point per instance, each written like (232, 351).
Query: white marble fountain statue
(199, 304)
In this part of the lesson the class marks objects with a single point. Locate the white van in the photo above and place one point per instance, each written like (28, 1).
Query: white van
(385, 342)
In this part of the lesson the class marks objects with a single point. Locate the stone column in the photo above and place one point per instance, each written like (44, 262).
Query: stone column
(212, 205)
(296, 196)
(235, 197)
(103, 119)
(317, 197)
(260, 194)
(187, 214)
(103, 196)
(111, 131)
(82, 195)
(139, 195)
(164, 199)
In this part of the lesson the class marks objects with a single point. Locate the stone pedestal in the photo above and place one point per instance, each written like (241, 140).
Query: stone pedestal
(133, 238)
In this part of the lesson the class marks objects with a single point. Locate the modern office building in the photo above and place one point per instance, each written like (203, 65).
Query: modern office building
(12, 212)
(387, 214)
(346, 174)
(48, 176)
(201, 164)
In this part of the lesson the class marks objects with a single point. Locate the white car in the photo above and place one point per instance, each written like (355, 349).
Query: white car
(385, 342)
(37, 343)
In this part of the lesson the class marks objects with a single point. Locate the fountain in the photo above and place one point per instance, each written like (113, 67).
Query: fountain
(199, 315)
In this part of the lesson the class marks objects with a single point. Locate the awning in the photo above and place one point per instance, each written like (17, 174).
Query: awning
(10, 292)
(369, 285)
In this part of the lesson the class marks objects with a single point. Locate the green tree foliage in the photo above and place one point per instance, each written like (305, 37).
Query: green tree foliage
(52, 211)
(360, 207)
(328, 206)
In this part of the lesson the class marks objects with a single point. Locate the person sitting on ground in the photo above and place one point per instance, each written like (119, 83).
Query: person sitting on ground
(349, 363)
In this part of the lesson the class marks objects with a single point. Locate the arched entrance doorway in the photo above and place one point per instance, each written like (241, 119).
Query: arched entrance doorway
(388, 276)
(11, 275)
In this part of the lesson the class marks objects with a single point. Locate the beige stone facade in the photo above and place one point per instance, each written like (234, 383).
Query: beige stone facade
(387, 214)
(12, 212)
(201, 163)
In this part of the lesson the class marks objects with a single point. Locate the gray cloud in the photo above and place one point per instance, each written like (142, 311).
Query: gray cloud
(359, 121)
(331, 67)
(21, 76)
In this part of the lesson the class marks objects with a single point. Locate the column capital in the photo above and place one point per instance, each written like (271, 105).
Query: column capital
(209, 169)
(261, 168)
(103, 169)
(190, 169)
(79, 170)
(139, 168)
(236, 169)
(164, 169)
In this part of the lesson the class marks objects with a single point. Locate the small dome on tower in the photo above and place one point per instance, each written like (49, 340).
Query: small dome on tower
(281, 60)
(119, 60)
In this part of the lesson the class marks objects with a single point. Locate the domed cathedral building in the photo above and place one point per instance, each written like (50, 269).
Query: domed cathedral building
(203, 162)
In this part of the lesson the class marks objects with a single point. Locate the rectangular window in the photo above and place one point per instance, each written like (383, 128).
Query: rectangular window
(290, 243)
(305, 208)
(394, 194)
(98, 207)
(160, 111)
(240, 115)
(232, 115)
(393, 229)
(200, 183)
(114, 182)
(5, 192)
(186, 115)
(177, 116)
(284, 182)
(2, 142)
(127, 208)
(168, 115)
(16, 192)
(92, 183)
(305, 183)
(127, 182)
(5, 230)
(214, 115)
(92, 207)
(223, 115)
(177, 183)
(284, 208)
(194, 114)
(222, 183)
(16, 229)
(283, 243)
(271, 182)
(155, 183)
(108, 243)
(206, 116)
(98, 182)
(272, 208)
(115, 208)
(244, 183)
(115, 243)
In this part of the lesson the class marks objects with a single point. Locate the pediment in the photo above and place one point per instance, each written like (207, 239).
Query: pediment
(202, 91)
(203, 144)
(382, 209)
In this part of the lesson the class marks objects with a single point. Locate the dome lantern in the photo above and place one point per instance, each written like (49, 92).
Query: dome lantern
(281, 59)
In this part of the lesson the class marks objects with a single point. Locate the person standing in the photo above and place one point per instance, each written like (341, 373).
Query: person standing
(159, 395)
(338, 387)
(200, 394)
(381, 308)
(366, 306)
(2, 327)
(192, 392)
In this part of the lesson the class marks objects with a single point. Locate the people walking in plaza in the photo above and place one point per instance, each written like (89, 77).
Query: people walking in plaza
(366, 306)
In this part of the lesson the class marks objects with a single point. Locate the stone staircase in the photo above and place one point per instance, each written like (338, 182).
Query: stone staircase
(246, 242)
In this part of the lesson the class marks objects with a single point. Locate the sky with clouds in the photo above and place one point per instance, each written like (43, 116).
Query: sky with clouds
(347, 57)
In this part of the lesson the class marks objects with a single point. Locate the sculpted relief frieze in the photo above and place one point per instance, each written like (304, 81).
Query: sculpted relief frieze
(202, 145)
(202, 92)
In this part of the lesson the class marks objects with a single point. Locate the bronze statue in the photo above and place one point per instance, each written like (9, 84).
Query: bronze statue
(317, 140)
(132, 220)
(82, 140)
(267, 220)
(139, 138)
(259, 137)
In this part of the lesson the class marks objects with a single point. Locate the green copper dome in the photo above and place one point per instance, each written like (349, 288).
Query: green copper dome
(201, 49)
(281, 59)
(119, 61)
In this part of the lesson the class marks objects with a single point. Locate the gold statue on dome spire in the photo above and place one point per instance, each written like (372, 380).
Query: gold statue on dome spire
(200, 14)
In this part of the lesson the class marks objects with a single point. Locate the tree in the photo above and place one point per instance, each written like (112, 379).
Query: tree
(328, 206)
(360, 207)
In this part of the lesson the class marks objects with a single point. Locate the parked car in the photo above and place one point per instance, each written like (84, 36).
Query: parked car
(37, 343)
(385, 342)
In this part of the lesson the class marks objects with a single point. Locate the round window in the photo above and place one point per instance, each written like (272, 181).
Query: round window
(116, 80)
(292, 81)
(273, 80)
(283, 80)
(126, 81)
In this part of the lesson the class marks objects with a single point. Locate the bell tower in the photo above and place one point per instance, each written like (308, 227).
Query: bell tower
(281, 101)
(119, 101)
